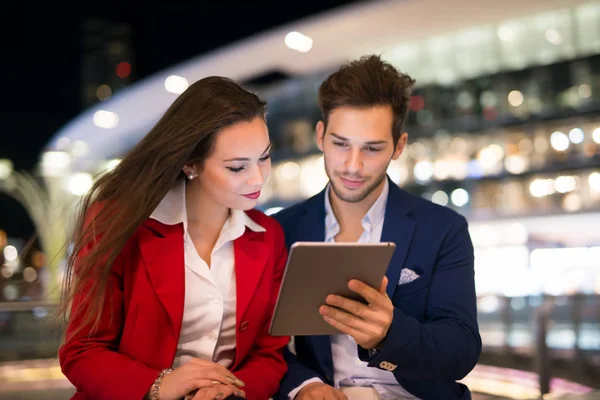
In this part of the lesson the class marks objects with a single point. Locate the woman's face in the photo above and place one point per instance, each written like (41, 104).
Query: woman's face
(238, 167)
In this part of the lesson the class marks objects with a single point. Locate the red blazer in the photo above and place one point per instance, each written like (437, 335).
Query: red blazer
(124, 356)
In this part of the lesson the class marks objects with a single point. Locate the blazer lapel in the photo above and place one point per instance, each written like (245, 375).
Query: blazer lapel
(251, 254)
(311, 227)
(398, 227)
(162, 250)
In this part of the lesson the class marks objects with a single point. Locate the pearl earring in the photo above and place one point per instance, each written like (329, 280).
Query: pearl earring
(190, 176)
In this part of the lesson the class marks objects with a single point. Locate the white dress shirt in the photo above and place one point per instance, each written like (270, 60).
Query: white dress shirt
(209, 313)
(348, 369)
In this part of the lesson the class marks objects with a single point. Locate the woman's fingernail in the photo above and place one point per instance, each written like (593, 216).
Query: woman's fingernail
(235, 381)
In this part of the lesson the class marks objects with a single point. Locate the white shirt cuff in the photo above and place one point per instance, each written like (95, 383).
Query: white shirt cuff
(294, 392)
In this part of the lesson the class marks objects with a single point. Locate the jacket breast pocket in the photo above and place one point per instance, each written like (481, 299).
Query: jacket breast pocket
(421, 283)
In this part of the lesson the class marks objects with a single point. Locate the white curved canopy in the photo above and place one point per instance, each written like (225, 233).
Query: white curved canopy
(338, 35)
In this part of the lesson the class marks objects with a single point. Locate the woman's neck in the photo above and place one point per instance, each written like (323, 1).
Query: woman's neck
(202, 212)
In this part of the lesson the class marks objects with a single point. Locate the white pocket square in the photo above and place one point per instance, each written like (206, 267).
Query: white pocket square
(407, 275)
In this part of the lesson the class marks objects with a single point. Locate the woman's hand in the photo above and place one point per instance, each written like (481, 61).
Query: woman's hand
(196, 374)
(217, 392)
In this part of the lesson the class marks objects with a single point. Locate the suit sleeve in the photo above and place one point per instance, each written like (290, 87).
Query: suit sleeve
(297, 374)
(447, 345)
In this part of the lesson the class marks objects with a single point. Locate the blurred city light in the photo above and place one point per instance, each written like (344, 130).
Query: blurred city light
(596, 135)
(6, 168)
(103, 92)
(572, 202)
(565, 184)
(516, 164)
(55, 163)
(10, 292)
(542, 187)
(440, 197)
(112, 164)
(176, 84)
(29, 274)
(576, 135)
(460, 197)
(105, 119)
(123, 69)
(398, 172)
(441, 169)
(490, 158)
(594, 181)
(559, 141)
(585, 91)
(6, 271)
(80, 183)
(515, 98)
(10, 253)
(299, 42)
(423, 171)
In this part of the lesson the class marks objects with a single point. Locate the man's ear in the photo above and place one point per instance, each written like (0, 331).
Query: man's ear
(320, 134)
(400, 146)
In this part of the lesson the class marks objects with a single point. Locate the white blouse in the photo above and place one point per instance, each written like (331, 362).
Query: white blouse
(209, 314)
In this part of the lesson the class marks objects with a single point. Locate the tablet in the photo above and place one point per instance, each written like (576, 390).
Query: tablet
(316, 269)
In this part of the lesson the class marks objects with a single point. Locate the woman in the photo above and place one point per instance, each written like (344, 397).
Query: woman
(171, 284)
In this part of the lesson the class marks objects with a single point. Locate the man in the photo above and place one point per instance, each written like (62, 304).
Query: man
(418, 333)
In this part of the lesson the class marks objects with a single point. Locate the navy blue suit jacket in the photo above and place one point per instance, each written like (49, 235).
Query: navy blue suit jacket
(434, 337)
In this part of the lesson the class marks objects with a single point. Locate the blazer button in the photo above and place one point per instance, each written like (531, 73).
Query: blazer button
(244, 326)
(388, 366)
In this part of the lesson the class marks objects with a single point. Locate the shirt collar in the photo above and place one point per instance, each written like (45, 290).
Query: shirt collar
(331, 224)
(171, 211)
(374, 216)
(377, 211)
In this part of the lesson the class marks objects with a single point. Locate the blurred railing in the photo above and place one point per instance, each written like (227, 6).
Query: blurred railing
(555, 337)
(28, 331)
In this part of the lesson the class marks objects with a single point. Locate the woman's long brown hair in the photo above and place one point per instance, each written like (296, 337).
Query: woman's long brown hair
(121, 200)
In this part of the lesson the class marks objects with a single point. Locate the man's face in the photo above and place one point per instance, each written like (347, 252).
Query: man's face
(358, 147)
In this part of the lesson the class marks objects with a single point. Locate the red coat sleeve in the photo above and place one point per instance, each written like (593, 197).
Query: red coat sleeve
(90, 359)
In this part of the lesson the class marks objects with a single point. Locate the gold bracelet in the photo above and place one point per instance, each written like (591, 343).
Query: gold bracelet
(156, 385)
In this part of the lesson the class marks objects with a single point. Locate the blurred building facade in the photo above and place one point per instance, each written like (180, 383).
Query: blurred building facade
(106, 61)
(504, 128)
